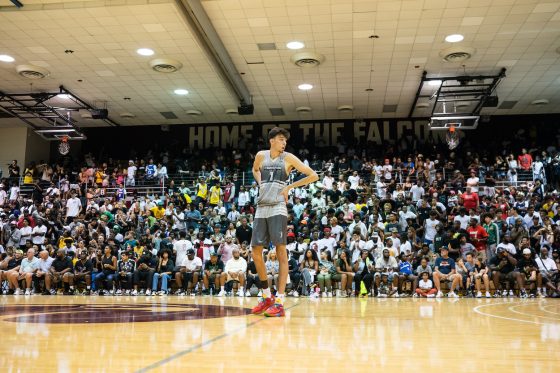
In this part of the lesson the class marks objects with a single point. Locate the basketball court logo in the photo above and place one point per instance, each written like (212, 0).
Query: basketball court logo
(114, 313)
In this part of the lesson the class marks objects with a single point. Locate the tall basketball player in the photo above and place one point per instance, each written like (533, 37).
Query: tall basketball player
(271, 169)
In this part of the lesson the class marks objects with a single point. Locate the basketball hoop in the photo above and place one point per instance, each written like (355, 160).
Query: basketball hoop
(64, 146)
(452, 137)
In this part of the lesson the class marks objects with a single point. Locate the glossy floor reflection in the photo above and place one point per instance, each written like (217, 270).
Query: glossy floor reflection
(129, 334)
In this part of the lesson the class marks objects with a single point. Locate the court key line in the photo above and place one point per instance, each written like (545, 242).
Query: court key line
(513, 309)
(179, 354)
(476, 309)
(544, 309)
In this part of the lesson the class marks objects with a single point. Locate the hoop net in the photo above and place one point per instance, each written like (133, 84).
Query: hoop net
(452, 137)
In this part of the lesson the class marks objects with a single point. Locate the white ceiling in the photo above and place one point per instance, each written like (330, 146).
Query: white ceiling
(521, 35)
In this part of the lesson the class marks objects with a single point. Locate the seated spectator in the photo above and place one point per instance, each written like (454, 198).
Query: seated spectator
(145, 267)
(272, 268)
(326, 270)
(503, 267)
(125, 273)
(83, 268)
(424, 266)
(549, 272)
(406, 273)
(364, 268)
(212, 275)
(294, 276)
(235, 270)
(28, 267)
(528, 273)
(309, 268)
(444, 270)
(478, 272)
(10, 266)
(253, 280)
(107, 274)
(425, 286)
(188, 275)
(61, 271)
(388, 266)
(45, 262)
(344, 269)
(163, 272)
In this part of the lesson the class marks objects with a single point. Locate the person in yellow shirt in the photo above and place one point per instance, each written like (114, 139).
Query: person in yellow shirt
(158, 211)
(201, 191)
(215, 195)
(28, 174)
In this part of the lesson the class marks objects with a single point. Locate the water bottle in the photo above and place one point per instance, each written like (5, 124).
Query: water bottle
(211, 292)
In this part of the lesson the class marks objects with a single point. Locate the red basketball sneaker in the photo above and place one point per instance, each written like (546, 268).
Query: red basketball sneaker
(276, 310)
(264, 304)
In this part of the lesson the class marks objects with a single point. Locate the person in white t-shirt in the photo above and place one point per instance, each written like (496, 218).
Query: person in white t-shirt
(39, 233)
(189, 272)
(549, 272)
(234, 270)
(180, 249)
(463, 218)
(416, 192)
(130, 174)
(354, 180)
(73, 207)
(472, 182)
(425, 287)
(26, 232)
(14, 192)
(430, 227)
(328, 242)
(3, 197)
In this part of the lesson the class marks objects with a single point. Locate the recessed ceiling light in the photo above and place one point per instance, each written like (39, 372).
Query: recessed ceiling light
(541, 101)
(434, 82)
(64, 96)
(181, 92)
(305, 86)
(6, 58)
(145, 52)
(454, 38)
(295, 45)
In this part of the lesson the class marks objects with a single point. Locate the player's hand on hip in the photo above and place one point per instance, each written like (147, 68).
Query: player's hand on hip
(284, 192)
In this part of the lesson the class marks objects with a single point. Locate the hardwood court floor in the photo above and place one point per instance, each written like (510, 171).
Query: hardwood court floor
(141, 334)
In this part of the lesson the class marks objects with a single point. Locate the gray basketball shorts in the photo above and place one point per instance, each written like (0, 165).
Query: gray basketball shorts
(270, 225)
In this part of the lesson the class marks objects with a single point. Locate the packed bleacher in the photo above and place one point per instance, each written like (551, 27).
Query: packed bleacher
(428, 224)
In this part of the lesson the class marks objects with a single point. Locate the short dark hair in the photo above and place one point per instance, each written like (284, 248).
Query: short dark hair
(278, 131)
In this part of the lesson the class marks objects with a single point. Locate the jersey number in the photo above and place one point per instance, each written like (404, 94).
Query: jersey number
(271, 176)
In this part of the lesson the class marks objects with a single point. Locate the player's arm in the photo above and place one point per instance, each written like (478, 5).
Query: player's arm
(294, 162)
(257, 167)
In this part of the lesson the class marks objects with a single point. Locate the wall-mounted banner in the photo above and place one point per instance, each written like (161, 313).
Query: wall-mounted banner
(321, 134)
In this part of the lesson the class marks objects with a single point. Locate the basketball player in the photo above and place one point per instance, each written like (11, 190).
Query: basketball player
(271, 169)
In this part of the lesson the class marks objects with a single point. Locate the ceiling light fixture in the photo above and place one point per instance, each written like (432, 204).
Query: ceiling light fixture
(64, 96)
(6, 58)
(181, 92)
(145, 52)
(434, 83)
(305, 86)
(454, 38)
(295, 45)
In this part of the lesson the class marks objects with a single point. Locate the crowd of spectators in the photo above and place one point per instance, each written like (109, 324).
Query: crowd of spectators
(391, 226)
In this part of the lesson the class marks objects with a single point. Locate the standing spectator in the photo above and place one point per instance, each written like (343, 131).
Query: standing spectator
(73, 207)
(470, 199)
(473, 181)
(13, 171)
(478, 236)
(131, 174)
(525, 160)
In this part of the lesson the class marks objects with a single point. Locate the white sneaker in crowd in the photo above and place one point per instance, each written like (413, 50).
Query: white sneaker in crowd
(431, 295)
(248, 294)
(452, 294)
(479, 294)
(119, 292)
(511, 293)
(260, 293)
(488, 295)
(148, 292)
(240, 293)
(18, 292)
(28, 292)
(222, 293)
(329, 294)
(295, 294)
(439, 294)
(134, 293)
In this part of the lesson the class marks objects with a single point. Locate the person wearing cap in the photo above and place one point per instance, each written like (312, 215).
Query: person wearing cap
(12, 234)
(444, 270)
(211, 277)
(528, 273)
(187, 277)
(387, 265)
(503, 267)
(518, 232)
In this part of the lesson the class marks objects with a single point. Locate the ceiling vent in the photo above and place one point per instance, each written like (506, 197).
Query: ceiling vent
(389, 108)
(276, 111)
(194, 113)
(266, 46)
(307, 59)
(127, 115)
(32, 71)
(507, 104)
(231, 111)
(303, 109)
(457, 53)
(168, 115)
(165, 65)
(345, 108)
